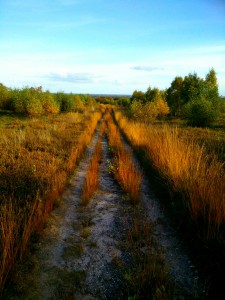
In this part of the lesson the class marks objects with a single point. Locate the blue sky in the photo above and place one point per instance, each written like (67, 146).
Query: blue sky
(109, 46)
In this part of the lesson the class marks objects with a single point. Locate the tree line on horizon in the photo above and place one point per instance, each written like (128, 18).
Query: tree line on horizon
(192, 98)
(34, 102)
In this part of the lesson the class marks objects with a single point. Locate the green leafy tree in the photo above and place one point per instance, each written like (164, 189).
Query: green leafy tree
(174, 96)
(13, 100)
(202, 99)
(28, 101)
(153, 94)
(21, 99)
(34, 107)
(65, 101)
(211, 86)
(193, 88)
(31, 101)
(4, 96)
(123, 101)
(138, 96)
(222, 105)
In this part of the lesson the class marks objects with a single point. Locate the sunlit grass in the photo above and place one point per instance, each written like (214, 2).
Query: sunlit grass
(187, 167)
(37, 158)
(91, 180)
(212, 140)
(124, 170)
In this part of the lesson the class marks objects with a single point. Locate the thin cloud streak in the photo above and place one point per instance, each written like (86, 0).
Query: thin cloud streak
(73, 77)
(146, 68)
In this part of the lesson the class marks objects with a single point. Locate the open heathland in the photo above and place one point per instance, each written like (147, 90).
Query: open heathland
(94, 204)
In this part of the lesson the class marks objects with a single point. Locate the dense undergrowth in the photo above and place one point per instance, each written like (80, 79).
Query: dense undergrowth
(37, 157)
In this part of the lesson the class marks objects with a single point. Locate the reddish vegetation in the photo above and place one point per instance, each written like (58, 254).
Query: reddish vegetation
(125, 172)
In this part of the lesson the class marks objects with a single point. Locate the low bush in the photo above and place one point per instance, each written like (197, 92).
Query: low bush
(201, 112)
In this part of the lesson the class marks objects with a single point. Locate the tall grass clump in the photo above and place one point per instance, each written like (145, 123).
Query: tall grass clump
(187, 168)
(125, 171)
(91, 180)
(37, 157)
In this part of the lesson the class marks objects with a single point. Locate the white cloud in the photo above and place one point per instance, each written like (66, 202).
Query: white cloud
(146, 68)
(72, 77)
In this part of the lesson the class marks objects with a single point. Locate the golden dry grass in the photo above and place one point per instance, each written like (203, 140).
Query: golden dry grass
(37, 157)
(91, 180)
(125, 171)
(188, 169)
(127, 175)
